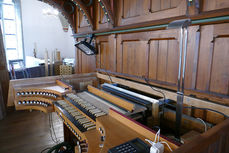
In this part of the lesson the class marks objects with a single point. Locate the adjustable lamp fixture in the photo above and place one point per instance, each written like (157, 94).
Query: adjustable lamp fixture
(86, 47)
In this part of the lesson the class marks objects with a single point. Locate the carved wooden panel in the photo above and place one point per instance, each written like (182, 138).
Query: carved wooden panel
(219, 82)
(104, 55)
(83, 23)
(149, 54)
(102, 17)
(213, 72)
(85, 64)
(209, 5)
(136, 11)
(107, 53)
(163, 65)
(132, 8)
(135, 58)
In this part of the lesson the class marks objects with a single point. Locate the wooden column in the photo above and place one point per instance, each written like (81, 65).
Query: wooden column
(4, 78)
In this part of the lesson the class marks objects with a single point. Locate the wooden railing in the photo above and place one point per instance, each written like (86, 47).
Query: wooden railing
(215, 140)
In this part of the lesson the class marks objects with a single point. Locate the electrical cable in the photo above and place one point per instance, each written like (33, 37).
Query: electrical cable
(108, 74)
(109, 77)
(163, 94)
(52, 131)
(156, 140)
(205, 125)
(167, 145)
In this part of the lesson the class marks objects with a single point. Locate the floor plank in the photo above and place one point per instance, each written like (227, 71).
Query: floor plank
(28, 132)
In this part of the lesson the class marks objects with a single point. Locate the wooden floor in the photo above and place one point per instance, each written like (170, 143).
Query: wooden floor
(28, 132)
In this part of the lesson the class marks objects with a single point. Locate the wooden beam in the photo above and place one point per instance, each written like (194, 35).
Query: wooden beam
(105, 4)
(111, 98)
(85, 10)
(170, 95)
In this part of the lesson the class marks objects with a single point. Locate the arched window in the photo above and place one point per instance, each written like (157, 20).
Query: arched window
(10, 18)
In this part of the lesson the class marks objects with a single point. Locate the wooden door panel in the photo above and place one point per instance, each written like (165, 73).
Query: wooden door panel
(136, 11)
(209, 5)
(155, 5)
(220, 67)
(162, 60)
(153, 59)
(192, 57)
(205, 56)
(213, 63)
(88, 63)
(165, 4)
(135, 55)
(104, 55)
(172, 61)
(132, 8)
(106, 58)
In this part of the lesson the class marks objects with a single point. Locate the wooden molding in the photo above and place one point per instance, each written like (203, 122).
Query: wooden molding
(109, 12)
(85, 10)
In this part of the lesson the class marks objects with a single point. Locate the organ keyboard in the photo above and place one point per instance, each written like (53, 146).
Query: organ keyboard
(97, 125)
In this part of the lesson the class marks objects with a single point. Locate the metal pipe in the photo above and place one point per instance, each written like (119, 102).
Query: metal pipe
(198, 21)
(184, 58)
(180, 59)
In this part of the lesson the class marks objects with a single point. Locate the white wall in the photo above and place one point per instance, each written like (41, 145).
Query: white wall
(45, 30)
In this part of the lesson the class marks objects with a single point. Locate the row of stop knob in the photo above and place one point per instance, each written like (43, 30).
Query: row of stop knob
(33, 102)
(37, 93)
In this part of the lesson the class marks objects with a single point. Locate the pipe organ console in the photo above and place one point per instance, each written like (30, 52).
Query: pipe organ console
(99, 119)
(99, 124)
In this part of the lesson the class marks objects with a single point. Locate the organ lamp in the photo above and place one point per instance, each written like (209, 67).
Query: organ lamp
(87, 47)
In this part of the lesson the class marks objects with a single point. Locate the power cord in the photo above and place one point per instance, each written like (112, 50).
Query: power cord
(162, 93)
(107, 73)
(52, 131)
(157, 140)
(205, 126)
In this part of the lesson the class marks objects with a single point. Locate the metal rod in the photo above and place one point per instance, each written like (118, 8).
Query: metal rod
(179, 104)
(180, 59)
(184, 58)
(199, 21)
